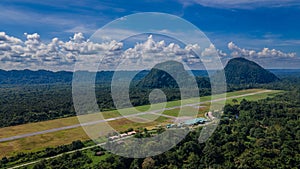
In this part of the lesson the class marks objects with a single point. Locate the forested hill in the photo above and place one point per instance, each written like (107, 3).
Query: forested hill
(161, 76)
(243, 71)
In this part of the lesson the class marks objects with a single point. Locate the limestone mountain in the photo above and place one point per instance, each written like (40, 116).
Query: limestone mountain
(243, 71)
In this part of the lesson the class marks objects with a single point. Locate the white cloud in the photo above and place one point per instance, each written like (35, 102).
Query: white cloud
(209, 51)
(32, 37)
(147, 54)
(78, 38)
(56, 54)
(8, 39)
(221, 53)
(268, 58)
(33, 53)
(264, 53)
(5, 47)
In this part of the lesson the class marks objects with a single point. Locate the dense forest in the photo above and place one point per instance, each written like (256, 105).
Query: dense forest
(251, 134)
(243, 71)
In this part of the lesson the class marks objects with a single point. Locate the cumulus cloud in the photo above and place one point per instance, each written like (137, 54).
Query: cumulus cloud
(5, 47)
(268, 58)
(264, 53)
(33, 53)
(149, 53)
(212, 51)
(8, 39)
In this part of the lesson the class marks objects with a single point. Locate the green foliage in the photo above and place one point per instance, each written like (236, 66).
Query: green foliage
(48, 152)
(258, 134)
(243, 71)
(75, 160)
(170, 74)
(148, 163)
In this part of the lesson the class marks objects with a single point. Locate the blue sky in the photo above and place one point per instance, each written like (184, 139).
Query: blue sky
(251, 25)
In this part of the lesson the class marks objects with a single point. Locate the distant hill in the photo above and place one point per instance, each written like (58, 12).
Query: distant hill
(158, 78)
(243, 71)
(34, 77)
(27, 77)
(237, 71)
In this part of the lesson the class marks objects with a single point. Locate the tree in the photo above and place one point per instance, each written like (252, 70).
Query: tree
(148, 163)
(77, 145)
(193, 162)
(40, 165)
(4, 160)
(235, 101)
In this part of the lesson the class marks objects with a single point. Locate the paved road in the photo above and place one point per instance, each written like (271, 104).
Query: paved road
(121, 117)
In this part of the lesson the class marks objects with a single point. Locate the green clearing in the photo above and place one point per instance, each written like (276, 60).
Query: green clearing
(130, 111)
(256, 97)
(206, 99)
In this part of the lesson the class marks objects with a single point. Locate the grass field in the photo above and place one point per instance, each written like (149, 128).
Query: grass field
(256, 97)
(38, 142)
